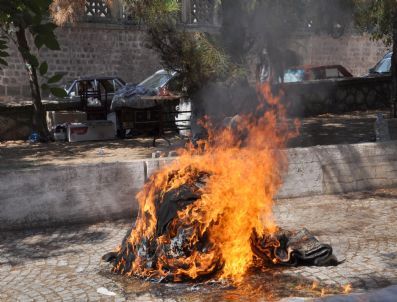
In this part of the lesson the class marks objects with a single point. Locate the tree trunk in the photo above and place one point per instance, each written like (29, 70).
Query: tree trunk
(394, 67)
(39, 121)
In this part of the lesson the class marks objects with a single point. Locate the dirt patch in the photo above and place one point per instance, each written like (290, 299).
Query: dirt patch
(21, 154)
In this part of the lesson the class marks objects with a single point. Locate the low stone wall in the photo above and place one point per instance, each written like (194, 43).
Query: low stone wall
(16, 118)
(15, 122)
(71, 194)
(340, 169)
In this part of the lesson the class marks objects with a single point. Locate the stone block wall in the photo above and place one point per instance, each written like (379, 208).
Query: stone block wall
(45, 196)
(48, 196)
(88, 49)
(115, 49)
(336, 96)
(356, 52)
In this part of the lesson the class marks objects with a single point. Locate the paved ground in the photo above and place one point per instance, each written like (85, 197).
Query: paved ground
(63, 264)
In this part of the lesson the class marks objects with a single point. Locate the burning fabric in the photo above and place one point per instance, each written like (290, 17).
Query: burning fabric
(210, 212)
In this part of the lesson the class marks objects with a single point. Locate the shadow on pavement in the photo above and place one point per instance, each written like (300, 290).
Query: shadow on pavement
(18, 247)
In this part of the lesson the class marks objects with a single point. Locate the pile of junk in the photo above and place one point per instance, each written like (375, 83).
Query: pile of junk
(101, 114)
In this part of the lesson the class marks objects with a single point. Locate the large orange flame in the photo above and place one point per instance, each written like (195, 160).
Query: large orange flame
(243, 169)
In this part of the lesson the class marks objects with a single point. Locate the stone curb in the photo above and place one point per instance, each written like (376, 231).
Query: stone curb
(47, 196)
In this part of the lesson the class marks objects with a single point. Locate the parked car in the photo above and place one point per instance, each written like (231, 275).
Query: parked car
(310, 73)
(383, 67)
(107, 85)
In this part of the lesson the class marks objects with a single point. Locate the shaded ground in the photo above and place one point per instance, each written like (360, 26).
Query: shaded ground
(356, 127)
(63, 264)
(332, 129)
(24, 154)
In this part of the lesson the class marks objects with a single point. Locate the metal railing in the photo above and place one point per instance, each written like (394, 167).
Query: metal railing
(194, 13)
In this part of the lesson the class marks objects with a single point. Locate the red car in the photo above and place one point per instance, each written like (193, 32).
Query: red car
(310, 73)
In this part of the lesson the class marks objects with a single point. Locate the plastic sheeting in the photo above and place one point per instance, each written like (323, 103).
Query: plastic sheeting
(130, 96)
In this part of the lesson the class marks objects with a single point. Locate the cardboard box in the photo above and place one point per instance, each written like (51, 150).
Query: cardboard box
(55, 118)
(90, 131)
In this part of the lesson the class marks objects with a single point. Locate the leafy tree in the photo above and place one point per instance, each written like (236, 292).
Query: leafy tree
(18, 19)
(379, 17)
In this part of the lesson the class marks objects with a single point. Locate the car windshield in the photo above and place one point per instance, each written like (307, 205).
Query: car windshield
(68, 85)
(294, 75)
(383, 66)
(157, 80)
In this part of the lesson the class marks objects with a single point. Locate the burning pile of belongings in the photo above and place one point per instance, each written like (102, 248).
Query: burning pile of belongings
(209, 214)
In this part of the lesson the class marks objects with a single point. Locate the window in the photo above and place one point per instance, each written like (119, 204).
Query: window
(294, 75)
(331, 73)
(383, 66)
(86, 85)
(318, 74)
(74, 91)
(106, 86)
(156, 81)
(117, 85)
(97, 8)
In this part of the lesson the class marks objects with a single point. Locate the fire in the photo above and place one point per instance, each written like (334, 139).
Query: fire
(347, 289)
(315, 285)
(233, 177)
(323, 292)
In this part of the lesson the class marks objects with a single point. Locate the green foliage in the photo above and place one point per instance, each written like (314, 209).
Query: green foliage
(154, 11)
(196, 56)
(33, 61)
(45, 36)
(45, 87)
(54, 79)
(28, 16)
(3, 62)
(204, 60)
(376, 17)
(49, 85)
(43, 68)
(58, 92)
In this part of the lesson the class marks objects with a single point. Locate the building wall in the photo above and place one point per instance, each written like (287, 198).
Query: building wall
(356, 52)
(88, 49)
(114, 49)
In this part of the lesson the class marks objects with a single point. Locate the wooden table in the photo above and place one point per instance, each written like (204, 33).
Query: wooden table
(149, 119)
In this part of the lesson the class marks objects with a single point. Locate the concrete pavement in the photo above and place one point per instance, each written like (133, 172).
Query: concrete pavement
(63, 263)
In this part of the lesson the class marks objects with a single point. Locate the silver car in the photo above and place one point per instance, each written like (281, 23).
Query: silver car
(105, 85)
